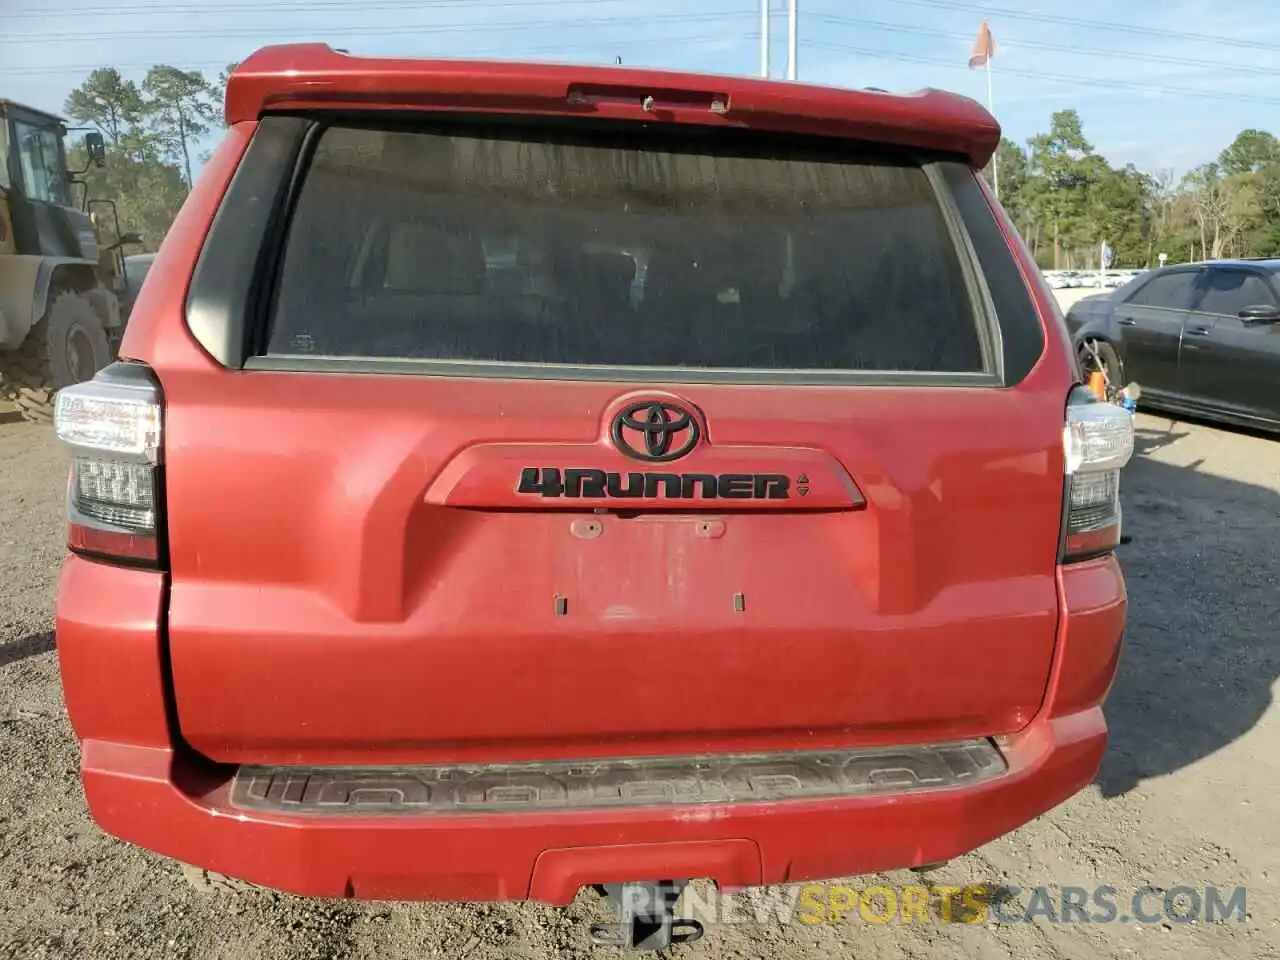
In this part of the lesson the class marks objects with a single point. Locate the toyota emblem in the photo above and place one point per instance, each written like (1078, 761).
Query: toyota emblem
(654, 430)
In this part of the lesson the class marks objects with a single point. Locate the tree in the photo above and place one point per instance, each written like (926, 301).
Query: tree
(219, 86)
(147, 191)
(1161, 199)
(1223, 207)
(1068, 199)
(109, 102)
(1265, 240)
(180, 107)
(1012, 162)
(1063, 162)
(1250, 152)
(1119, 211)
(1061, 194)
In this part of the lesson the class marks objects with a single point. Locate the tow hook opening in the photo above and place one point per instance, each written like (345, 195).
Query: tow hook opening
(930, 867)
(646, 917)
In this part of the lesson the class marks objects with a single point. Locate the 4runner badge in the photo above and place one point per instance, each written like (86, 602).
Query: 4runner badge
(659, 432)
(591, 484)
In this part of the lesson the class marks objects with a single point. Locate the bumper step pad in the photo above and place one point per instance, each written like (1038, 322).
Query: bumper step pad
(613, 783)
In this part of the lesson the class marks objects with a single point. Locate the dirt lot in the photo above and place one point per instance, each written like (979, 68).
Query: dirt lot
(1186, 796)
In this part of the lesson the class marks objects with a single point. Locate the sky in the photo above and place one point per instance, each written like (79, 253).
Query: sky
(1162, 84)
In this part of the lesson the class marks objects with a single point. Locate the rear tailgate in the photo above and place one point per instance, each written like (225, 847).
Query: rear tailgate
(567, 443)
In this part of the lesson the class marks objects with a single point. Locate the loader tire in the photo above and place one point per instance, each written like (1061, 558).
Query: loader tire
(69, 345)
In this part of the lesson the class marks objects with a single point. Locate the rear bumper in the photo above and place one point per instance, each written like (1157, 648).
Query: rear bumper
(143, 787)
(148, 796)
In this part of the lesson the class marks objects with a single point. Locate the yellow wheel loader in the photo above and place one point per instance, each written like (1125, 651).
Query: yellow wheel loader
(60, 283)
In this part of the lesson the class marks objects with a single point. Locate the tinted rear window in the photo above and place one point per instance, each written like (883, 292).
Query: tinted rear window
(440, 246)
(1172, 290)
(1230, 291)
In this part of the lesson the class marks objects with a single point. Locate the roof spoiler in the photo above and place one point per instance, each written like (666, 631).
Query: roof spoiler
(314, 76)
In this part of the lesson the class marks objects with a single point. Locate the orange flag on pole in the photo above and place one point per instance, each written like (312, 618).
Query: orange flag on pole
(984, 48)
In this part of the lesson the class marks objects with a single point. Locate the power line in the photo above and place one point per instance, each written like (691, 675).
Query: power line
(309, 6)
(715, 16)
(1111, 25)
(318, 6)
(1038, 45)
(605, 44)
(871, 54)
(868, 53)
(389, 29)
(377, 5)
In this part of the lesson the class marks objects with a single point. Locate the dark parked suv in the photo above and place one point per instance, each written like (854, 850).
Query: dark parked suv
(1201, 339)
(526, 478)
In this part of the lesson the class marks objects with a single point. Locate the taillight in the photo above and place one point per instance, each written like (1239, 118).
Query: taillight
(1097, 442)
(114, 493)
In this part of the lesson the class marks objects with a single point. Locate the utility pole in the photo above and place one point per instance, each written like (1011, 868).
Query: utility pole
(764, 38)
(793, 38)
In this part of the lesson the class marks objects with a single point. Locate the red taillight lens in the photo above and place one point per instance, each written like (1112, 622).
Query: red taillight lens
(112, 426)
(1097, 442)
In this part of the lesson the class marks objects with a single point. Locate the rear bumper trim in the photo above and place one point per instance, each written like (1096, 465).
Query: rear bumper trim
(610, 783)
(174, 804)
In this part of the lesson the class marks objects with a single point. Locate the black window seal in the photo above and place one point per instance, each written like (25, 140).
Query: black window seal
(275, 242)
(496, 370)
(1015, 314)
(982, 306)
(260, 304)
(223, 306)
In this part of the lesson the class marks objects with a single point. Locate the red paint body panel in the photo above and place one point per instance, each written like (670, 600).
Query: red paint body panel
(314, 76)
(112, 615)
(143, 787)
(323, 610)
(1094, 593)
(352, 580)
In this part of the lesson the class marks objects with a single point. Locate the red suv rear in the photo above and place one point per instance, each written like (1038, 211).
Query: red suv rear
(528, 477)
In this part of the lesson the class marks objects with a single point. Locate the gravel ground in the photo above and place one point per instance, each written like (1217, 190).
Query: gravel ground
(1186, 795)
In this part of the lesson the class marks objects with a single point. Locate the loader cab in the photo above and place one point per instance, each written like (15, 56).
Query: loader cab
(43, 219)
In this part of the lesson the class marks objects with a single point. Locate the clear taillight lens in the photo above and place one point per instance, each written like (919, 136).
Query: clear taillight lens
(115, 492)
(112, 425)
(1097, 443)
